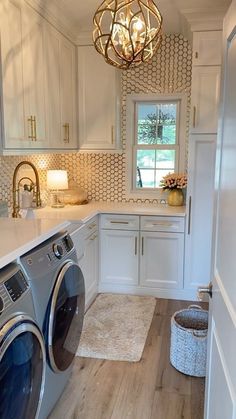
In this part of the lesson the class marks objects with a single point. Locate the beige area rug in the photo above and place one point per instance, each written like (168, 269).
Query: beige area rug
(116, 327)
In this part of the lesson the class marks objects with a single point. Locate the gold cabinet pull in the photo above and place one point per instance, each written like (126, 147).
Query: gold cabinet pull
(92, 225)
(196, 55)
(31, 133)
(189, 214)
(136, 245)
(112, 134)
(34, 128)
(119, 222)
(66, 127)
(142, 246)
(194, 116)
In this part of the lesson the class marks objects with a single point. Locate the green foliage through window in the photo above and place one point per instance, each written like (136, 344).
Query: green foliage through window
(156, 125)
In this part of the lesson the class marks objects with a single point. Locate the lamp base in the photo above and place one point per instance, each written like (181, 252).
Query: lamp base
(57, 199)
(57, 206)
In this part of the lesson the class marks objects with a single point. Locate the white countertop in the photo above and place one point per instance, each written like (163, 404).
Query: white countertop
(18, 236)
(83, 213)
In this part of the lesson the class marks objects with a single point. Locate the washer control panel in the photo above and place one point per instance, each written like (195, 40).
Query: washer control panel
(58, 250)
(47, 256)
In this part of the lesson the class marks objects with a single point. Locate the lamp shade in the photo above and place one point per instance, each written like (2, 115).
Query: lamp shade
(57, 179)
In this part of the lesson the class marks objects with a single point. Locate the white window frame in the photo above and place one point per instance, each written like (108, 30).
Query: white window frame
(133, 192)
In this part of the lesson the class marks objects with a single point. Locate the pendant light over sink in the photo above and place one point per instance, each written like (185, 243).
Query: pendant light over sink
(127, 32)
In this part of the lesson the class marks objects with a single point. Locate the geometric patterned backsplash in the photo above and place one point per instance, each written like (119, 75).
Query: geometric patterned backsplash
(102, 175)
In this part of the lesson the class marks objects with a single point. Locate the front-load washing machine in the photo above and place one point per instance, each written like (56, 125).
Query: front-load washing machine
(22, 349)
(59, 296)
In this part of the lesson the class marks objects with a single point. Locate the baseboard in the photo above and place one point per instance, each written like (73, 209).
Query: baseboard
(172, 294)
(90, 297)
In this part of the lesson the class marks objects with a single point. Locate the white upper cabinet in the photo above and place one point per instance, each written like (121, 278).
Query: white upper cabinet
(14, 125)
(205, 94)
(38, 82)
(52, 53)
(61, 90)
(205, 81)
(207, 48)
(68, 94)
(34, 74)
(98, 101)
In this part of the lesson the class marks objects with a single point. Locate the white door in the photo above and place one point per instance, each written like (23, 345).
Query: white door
(221, 377)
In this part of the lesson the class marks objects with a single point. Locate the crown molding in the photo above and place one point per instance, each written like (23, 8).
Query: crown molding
(84, 38)
(54, 15)
(204, 19)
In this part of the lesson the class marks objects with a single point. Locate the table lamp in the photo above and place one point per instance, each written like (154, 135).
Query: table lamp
(57, 181)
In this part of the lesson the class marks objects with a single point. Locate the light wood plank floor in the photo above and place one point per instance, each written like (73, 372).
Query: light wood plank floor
(149, 389)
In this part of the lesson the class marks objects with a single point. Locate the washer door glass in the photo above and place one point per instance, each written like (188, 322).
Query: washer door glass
(66, 316)
(22, 371)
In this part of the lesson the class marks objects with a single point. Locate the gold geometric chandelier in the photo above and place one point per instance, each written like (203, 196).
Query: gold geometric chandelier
(127, 32)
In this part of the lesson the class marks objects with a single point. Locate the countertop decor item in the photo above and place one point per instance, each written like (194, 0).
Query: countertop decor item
(127, 32)
(3, 209)
(174, 183)
(57, 182)
(75, 195)
(116, 327)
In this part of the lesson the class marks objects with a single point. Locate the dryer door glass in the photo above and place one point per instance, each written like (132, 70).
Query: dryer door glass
(22, 370)
(66, 315)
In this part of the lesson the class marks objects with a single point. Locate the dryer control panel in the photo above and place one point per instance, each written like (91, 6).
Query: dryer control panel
(13, 285)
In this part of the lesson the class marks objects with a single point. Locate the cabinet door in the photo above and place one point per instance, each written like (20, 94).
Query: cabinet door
(89, 266)
(35, 77)
(162, 256)
(200, 198)
(53, 94)
(97, 101)
(205, 91)
(60, 92)
(68, 91)
(119, 257)
(207, 46)
(12, 73)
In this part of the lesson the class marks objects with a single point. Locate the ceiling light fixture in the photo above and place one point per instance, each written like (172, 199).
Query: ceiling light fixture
(127, 32)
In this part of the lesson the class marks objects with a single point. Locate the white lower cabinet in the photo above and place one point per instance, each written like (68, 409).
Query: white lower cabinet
(89, 267)
(119, 253)
(86, 243)
(161, 261)
(142, 262)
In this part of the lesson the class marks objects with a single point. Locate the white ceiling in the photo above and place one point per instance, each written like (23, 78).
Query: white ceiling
(80, 12)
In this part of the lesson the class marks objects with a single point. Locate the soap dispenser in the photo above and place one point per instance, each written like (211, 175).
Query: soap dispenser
(26, 197)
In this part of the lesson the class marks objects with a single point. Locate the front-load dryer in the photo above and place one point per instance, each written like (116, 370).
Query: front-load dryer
(22, 350)
(58, 291)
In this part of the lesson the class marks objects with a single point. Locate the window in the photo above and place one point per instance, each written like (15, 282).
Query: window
(156, 126)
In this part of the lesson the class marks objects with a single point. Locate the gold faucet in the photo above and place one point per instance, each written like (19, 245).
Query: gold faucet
(16, 189)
